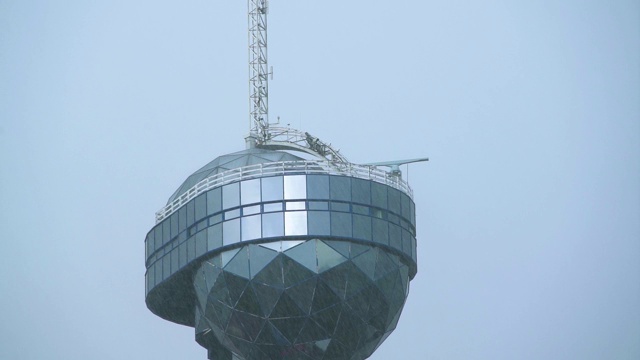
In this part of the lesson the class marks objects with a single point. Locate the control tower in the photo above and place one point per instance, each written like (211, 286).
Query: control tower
(284, 250)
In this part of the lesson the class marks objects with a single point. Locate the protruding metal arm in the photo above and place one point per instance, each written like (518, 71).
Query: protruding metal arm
(258, 67)
(394, 166)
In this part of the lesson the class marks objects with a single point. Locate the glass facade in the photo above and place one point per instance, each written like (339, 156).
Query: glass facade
(318, 299)
(279, 207)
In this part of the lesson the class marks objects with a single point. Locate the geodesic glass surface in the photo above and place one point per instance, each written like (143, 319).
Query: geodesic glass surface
(314, 299)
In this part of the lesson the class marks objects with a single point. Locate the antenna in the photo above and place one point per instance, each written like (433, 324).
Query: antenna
(258, 69)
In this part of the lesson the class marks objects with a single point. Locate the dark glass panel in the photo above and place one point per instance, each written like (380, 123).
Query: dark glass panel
(166, 231)
(250, 191)
(272, 188)
(182, 254)
(214, 237)
(319, 223)
(231, 195)
(158, 271)
(201, 206)
(341, 224)
(158, 237)
(340, 206)
(166, 266)
(395, 237)
(361, 191)
(202, 225)
(413, 213)
(361, 227)
(272, 224)
(359, 209)
(191, 248)
(182, 219)
(340, 188)
(379, 195)
(201, 243)
(151, 277)
(394, 201)
(190, 213)
(214, 201)
(175, 263)
(215, 219)
(406, 242)
(318, 186)
(406, 206)
(174, 224)
(151, 242)
(318, 205)
(380, 231)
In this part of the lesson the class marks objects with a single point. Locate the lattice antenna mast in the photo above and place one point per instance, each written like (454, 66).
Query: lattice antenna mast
(258, 69)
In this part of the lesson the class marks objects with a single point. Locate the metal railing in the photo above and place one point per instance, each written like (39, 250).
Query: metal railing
(284, 168)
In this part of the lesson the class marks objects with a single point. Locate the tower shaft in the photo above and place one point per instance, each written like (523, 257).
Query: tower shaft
(258, 68)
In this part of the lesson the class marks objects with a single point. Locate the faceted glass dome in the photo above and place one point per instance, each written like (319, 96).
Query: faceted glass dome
(232, 161)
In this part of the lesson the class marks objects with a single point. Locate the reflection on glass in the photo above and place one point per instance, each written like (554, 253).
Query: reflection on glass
(191, 248)
(295, 205)
(214, 201)
(231, 231)
(231, 195)
(295, 187)
(232, 214)
(295, 223)
(318, 187)
(272, 188)
(272, 224)
(250, 210)
(251, 227)
(272, 207)
(250, 191)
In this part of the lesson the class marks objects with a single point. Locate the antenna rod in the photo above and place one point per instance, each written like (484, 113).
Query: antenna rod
(258, 69)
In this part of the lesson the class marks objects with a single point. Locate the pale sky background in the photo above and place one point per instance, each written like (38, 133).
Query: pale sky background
(528, 212)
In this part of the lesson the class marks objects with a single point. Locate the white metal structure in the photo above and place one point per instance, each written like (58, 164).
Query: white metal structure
(284, 168)
(258, 68)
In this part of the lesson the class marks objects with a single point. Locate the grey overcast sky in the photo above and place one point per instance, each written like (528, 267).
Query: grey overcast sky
(528, 212)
